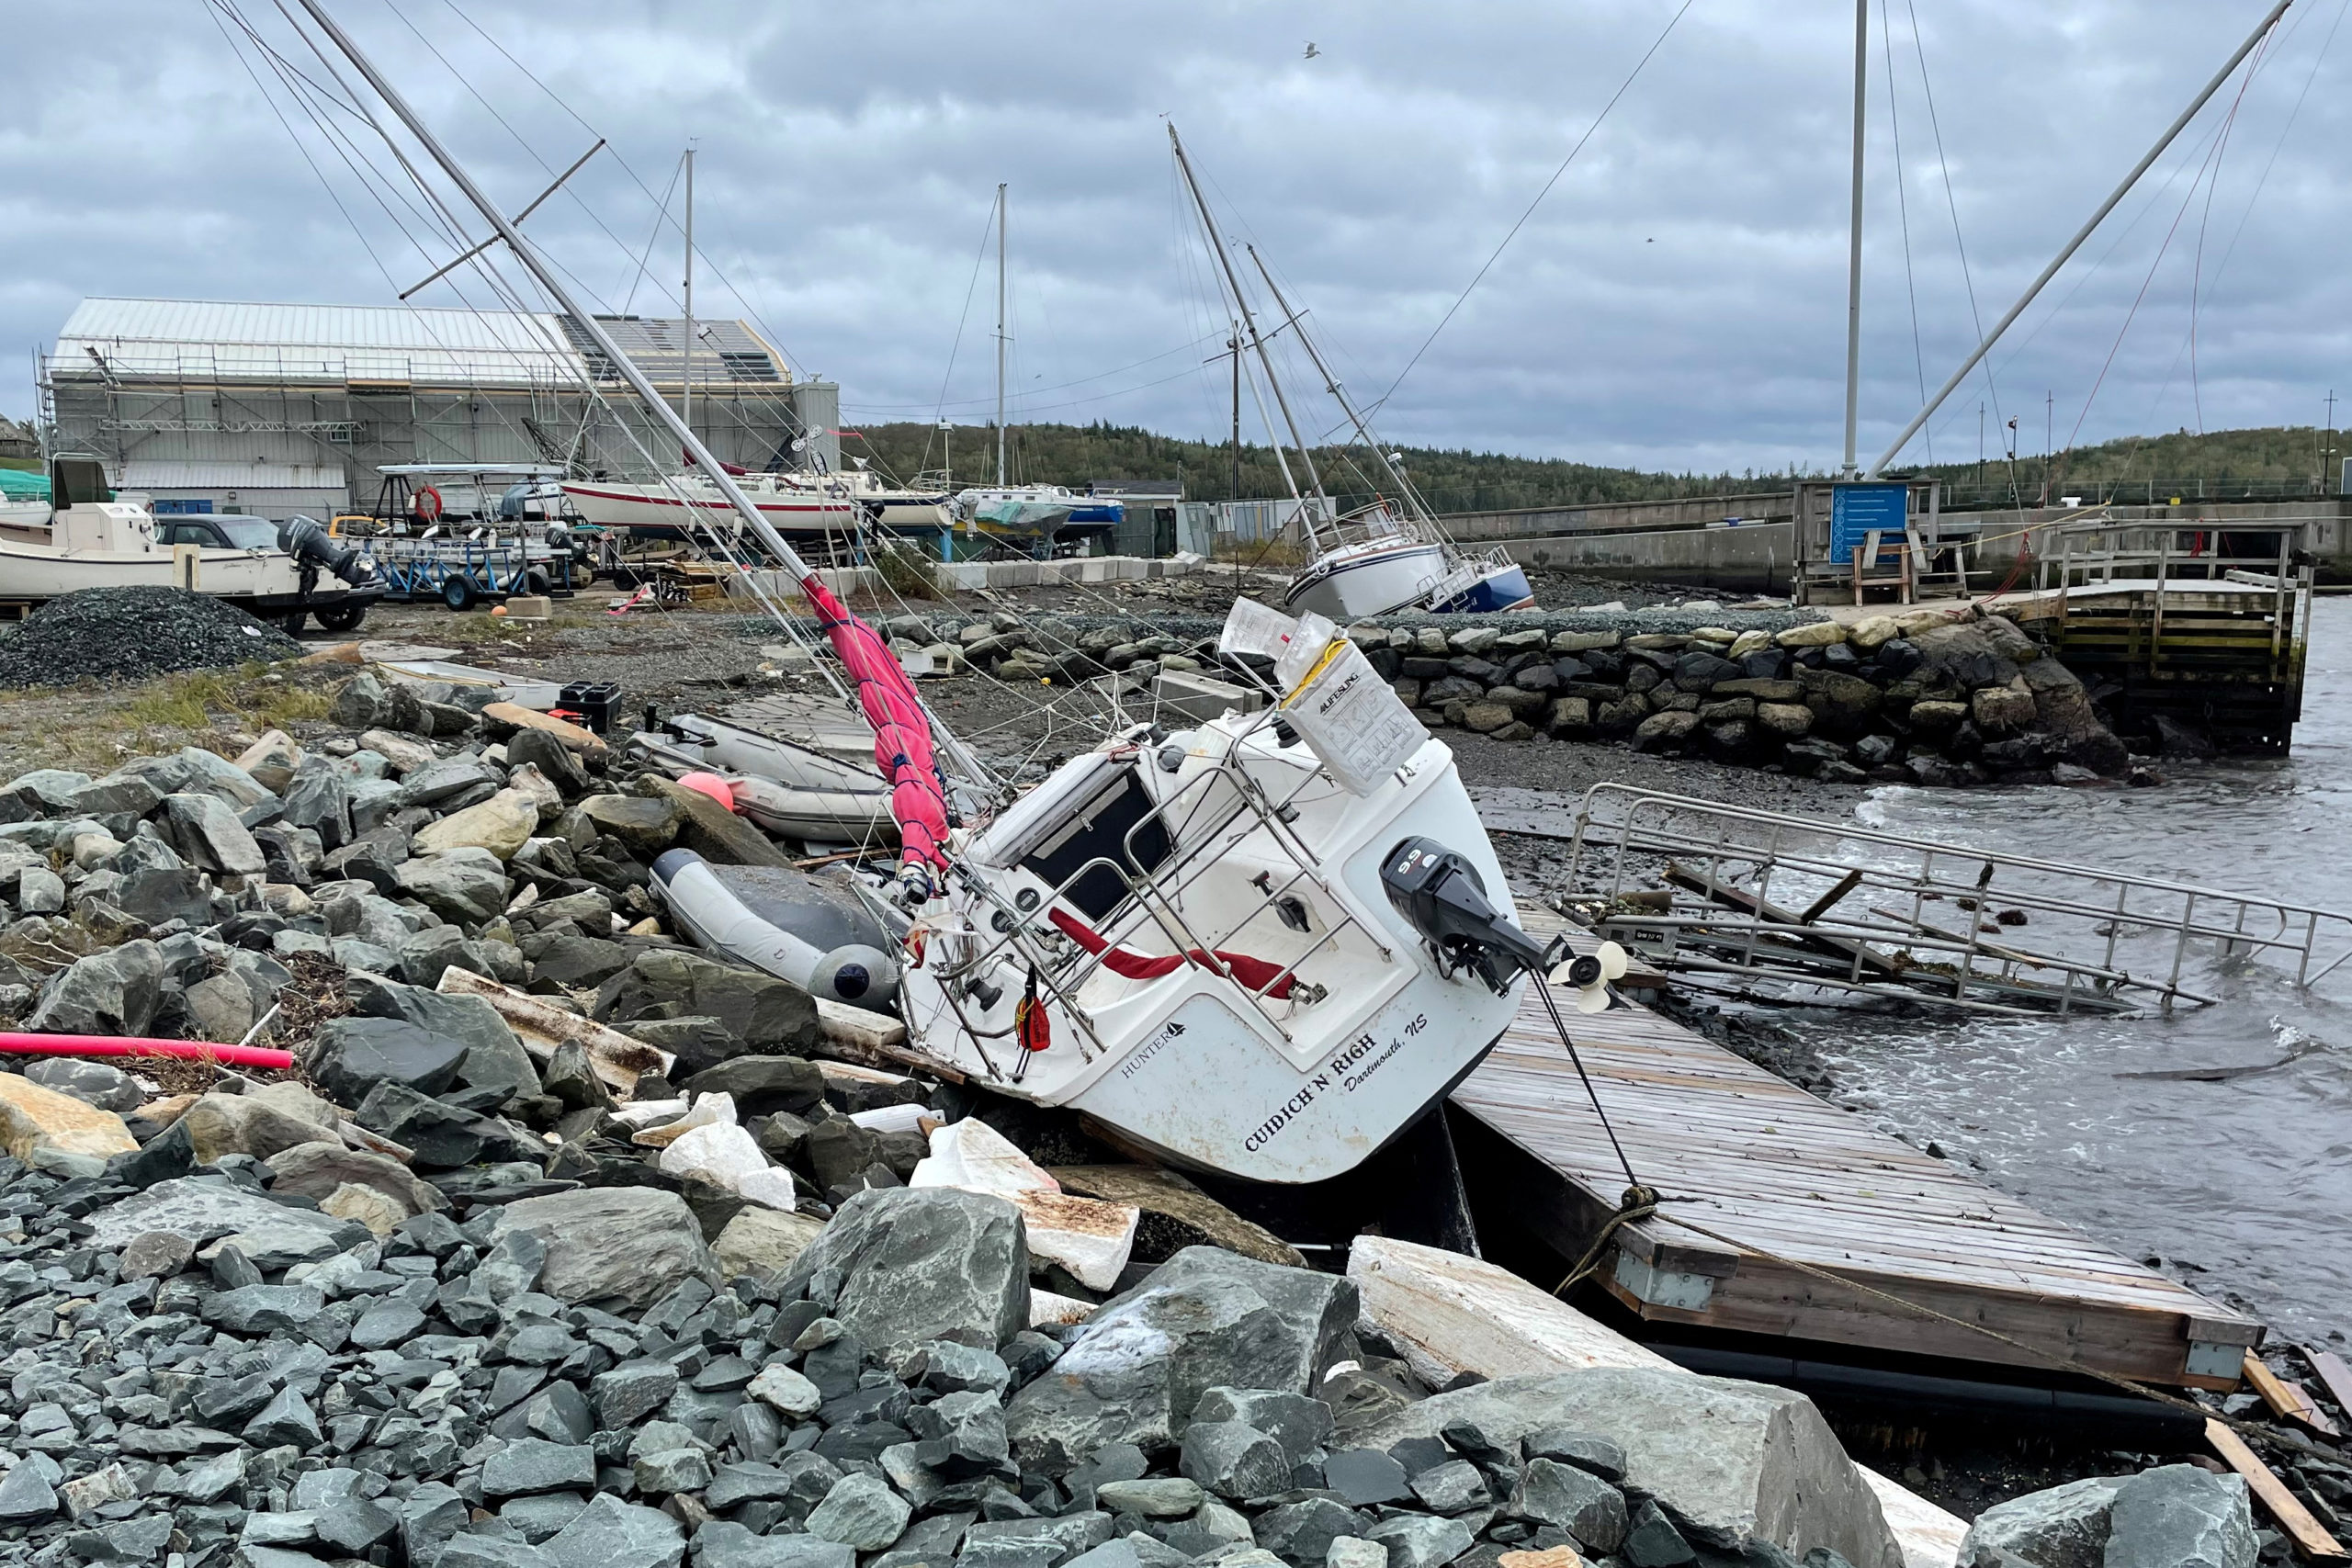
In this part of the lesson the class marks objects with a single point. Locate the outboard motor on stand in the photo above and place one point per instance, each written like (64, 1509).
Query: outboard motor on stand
(312, 547)
(1445, 899)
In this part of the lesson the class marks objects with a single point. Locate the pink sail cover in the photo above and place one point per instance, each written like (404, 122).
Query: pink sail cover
(902, 731)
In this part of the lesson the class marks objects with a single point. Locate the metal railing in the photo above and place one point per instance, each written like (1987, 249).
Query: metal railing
(1727, 896)
(1202, 829)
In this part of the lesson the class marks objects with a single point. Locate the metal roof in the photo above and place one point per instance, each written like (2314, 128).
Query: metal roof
(164, 473)
(208, 340)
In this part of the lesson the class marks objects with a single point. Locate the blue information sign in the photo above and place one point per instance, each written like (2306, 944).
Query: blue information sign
(1857, 509)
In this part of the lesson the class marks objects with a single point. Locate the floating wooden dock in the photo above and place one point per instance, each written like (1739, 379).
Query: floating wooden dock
(1735, 1149)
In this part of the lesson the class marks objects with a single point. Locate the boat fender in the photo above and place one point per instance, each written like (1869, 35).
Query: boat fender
(861, 973)
(711, 784)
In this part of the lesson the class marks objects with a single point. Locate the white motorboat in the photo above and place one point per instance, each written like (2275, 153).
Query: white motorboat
(95, 539)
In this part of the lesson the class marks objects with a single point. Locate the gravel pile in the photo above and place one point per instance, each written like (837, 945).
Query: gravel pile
(130, 634)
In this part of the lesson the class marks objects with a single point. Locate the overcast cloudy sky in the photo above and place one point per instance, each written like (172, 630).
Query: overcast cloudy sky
(1678, 299)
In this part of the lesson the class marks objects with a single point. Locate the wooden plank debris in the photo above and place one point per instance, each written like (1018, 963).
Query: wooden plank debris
(2334, 1376)
(2310, 1539)
(2286, 1397)
(541, 1026)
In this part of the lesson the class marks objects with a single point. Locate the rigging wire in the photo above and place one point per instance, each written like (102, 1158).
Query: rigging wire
(1952, 205)
(1903, 212)
(660, 222)
(2208, 174)
(963, 318)
(1512, 232)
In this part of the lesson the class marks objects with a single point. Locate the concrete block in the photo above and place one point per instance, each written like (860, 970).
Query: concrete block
(529, 607)
(1200, 697)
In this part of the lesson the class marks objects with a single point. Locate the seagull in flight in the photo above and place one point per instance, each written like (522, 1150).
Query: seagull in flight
(1312, 53)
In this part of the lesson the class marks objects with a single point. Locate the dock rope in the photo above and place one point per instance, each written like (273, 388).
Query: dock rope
(1641, 1201)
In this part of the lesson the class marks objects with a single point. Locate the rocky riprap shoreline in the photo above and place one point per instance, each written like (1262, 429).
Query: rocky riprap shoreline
(663, 1282)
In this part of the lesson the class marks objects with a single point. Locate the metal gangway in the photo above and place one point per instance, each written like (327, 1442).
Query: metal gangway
(1789, 909)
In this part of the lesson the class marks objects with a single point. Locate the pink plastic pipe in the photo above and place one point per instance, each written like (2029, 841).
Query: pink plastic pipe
(13, 1044)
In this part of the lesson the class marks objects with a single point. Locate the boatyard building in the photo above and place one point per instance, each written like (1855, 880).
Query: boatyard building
(211, 406)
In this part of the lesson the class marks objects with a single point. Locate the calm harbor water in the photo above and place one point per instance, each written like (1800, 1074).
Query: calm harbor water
(2244, 1186)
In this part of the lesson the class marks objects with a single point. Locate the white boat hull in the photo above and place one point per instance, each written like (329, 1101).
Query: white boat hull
(29, 572)
(1187, 1064)
(1366, 579)
(662, 511)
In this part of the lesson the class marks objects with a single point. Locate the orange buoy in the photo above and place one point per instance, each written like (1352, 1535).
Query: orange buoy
(711, 784)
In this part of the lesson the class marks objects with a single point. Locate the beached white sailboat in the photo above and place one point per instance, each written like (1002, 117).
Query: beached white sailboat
(1258, 947)
(1381, 558)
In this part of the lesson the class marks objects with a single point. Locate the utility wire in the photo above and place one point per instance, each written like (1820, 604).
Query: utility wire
(1513, 233)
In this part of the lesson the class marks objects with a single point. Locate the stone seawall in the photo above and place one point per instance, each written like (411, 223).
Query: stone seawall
(1930, 696)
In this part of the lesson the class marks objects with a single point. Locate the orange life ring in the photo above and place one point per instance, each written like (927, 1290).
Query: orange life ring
(427, 504)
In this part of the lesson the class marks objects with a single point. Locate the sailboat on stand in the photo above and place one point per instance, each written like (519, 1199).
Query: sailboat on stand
(1390, 556)
(1034, 516)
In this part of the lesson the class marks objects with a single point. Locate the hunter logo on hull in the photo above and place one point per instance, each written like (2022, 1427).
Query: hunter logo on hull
(1349, 1068)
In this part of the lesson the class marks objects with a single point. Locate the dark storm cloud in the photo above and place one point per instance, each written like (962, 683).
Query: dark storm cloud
(1677, 300)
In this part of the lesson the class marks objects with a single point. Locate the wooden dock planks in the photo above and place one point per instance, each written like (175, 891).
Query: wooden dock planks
(1746, 1154)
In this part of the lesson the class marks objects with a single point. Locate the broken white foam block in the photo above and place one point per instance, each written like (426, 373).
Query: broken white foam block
(642, 1113)
(976, 1157)
(728, 1157)
(715, 1110)
(771, 1188)
(1047, 1309)
(892, 1118)
(1091, 1238)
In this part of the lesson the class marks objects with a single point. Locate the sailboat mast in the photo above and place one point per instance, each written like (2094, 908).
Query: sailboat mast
(1225, 264)
(1331, 382)
(686, 363)
(1854, 238)
(1000, 336)
(545, 275)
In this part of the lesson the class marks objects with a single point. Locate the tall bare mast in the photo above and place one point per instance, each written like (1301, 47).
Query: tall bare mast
(1000, 336)
(1225, 264)
(1854, 238)
(686, 365)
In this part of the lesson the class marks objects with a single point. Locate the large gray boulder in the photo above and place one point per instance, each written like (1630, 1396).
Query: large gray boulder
(897, 1266)
(208, 1209)
(206, 831)
(494, 1057)
(767, 1014)
(115, 992)
(2062, 711)
(624, 1243)
(1731, 1463)
(1206, 1318)
(466, 885)
(2181, 1516)
(2060, 1526)
(352, 1056)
